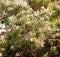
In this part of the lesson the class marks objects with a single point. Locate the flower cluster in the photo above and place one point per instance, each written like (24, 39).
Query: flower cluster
(24, 28)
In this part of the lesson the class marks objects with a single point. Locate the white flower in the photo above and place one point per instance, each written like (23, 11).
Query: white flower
(31, 9)
(42, 43)
(42, 18)
(0, 31)
(7, 1)
(31, 39)
(47, 9)
(9, 30)
(3, 30)
(0, 25)
(17, 27)
(57, 29)
(12, 46)
(2, 37)
(48, 28)
(57, 34)
(3, 26)
(0, 54)
(27, 15)
(12, 19)
(17, 3)
(24, 3)
(17, 54)
(58, 7)
(36, 13)
(42, 7)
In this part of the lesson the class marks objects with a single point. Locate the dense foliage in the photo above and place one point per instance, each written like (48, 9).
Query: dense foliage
(31, 28)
